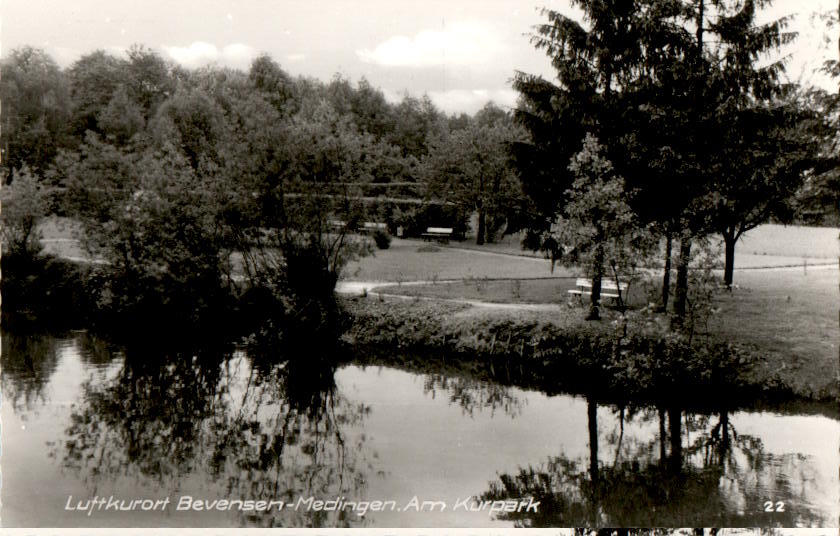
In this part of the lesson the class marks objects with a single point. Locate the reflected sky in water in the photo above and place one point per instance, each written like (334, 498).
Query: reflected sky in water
(81, 419)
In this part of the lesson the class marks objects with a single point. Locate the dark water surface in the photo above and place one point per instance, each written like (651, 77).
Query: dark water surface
(82, 420)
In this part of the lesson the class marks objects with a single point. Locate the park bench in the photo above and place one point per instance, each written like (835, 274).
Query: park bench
(608, 288)
(337, 225)
(371, 227)
(442, 234)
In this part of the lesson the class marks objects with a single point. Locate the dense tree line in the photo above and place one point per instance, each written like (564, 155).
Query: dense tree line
(186, 182)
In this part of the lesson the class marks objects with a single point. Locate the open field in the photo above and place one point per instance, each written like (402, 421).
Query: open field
(415, 260)
(766, 245)
(790, 241)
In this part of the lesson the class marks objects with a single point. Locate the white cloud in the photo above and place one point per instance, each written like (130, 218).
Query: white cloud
(201, 53)
(461, 43)
(63, 56)
(456, 101)
(472, 100)
(238, 55)
(196, 54)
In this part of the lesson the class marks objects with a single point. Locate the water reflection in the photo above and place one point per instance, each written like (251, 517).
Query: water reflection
(221, 426)
(698, 470)
(473, 395)
(28, 362)
(83, 418)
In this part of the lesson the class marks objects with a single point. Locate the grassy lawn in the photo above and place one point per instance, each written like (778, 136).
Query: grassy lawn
(414, 260)
(766, 245)
(542, 291)
(790, 241)
(791, 317)
(59, 236)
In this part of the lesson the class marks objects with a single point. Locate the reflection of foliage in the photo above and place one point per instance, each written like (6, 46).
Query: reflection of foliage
(472, 394)
(275, 431)
(28, 362)
(721, 479)
(137, 412)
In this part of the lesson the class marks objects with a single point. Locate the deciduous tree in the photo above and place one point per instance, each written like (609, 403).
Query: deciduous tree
(599, 227)
(36, 107)
(471, 168)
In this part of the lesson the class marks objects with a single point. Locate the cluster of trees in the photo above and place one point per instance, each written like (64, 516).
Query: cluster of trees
(670, 118)
(185, 181)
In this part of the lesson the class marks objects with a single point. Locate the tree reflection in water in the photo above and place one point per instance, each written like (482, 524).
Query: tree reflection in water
(228, 424)
(28, 361)
(473, 394)
(718, 478)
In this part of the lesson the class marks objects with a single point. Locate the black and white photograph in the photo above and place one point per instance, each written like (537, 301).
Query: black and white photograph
(464, 265)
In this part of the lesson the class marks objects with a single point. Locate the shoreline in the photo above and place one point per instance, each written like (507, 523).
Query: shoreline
(561, 354)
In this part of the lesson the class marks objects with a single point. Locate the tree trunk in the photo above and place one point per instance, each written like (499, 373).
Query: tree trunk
(675, 429)
(662, 435)
(592, 420)
(494, 210)
(729, 263)
(724, 435)
(597, 276)
(666, 276)
(479, 235)
(681, 290)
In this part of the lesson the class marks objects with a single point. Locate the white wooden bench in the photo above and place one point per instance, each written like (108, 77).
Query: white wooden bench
(371, 227)
(438, 233)
(608, 288)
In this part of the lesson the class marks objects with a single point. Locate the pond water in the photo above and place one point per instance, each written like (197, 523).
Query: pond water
(95, 435)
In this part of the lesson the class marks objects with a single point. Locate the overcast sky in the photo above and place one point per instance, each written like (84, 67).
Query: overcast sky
(461, 52)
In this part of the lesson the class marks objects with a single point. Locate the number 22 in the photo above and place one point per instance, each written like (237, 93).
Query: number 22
(770, 507)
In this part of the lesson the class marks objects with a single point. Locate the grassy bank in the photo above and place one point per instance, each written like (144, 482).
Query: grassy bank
(633, 358)
(786, 317)
(789, 317)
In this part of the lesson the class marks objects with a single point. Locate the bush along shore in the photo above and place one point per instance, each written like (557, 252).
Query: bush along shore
(45, 292)
(624, 358)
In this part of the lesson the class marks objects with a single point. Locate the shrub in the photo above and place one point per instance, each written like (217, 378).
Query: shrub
(53, 291)
(382, 239)
(24, 203)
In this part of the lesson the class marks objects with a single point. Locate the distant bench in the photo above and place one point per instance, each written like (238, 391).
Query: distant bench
(438, 233)
(371, 227)
(608, 288)
(367, 227)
